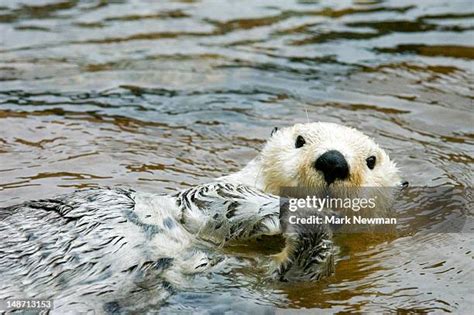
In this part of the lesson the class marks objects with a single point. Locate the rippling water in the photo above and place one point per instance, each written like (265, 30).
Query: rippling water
(163, 95)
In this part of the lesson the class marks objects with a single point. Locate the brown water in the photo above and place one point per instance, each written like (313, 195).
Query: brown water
(163, 95)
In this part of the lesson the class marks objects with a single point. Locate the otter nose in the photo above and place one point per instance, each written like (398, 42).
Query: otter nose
(333, 165)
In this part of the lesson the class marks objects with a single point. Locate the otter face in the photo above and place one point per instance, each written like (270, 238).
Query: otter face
(325, 155)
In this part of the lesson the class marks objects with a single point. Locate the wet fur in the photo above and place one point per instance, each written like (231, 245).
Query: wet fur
(117, 250)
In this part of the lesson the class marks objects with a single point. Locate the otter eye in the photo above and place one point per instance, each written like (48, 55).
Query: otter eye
(371, 162)
(299, 142)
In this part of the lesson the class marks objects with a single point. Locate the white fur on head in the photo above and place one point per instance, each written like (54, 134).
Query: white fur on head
(284, 165)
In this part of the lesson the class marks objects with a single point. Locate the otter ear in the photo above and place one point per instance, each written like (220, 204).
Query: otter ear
(273, 131)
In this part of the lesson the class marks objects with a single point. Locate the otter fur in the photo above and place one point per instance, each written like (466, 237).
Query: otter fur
(117, 250)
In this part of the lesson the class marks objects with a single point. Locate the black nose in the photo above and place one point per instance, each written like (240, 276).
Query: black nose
(333, 165)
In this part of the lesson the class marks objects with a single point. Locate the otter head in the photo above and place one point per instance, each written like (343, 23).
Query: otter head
(325, 155)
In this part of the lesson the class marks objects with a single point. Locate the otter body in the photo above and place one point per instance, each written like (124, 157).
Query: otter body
(103, 249)
(114, 250)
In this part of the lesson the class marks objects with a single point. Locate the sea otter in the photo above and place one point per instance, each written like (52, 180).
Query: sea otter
(103, 247)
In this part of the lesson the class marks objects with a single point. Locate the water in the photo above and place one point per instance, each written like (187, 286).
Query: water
(164, 95)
